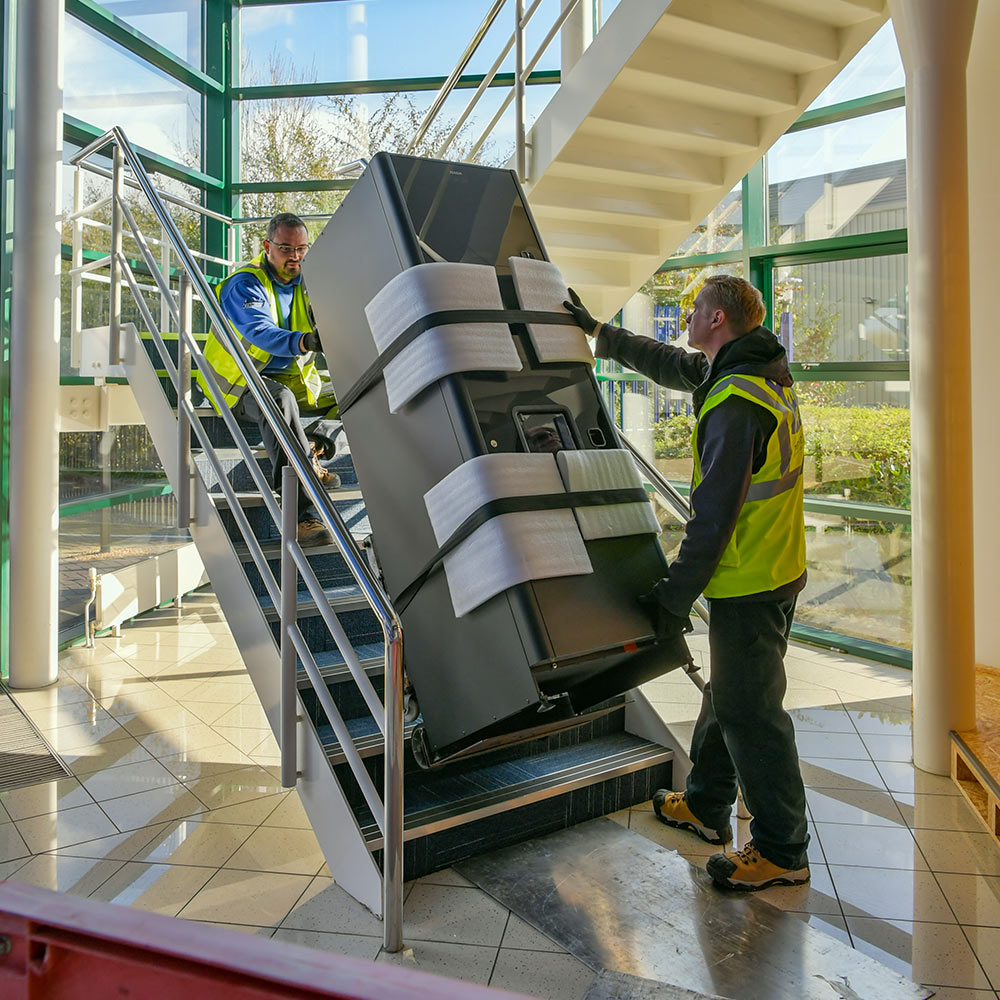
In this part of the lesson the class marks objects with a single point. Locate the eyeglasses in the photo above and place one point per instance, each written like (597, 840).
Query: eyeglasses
(286, 249)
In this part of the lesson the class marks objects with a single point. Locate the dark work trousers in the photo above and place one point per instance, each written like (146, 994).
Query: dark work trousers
(246, 408)
(744, 736)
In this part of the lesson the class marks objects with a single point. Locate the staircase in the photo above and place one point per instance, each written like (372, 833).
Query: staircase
(670, 106)
(663, 114)
(539, 781)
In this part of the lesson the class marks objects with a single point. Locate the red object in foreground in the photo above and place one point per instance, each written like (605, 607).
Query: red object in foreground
(58, 947)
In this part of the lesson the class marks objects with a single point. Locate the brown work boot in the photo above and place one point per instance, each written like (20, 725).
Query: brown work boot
(749, 871)
(329, 479)
(672, 808)
(313, 532)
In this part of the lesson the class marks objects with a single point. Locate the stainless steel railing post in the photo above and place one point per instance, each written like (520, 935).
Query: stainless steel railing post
(115, 306)
(289, 592)
(519, 136)
(392, 796)
(183, 402)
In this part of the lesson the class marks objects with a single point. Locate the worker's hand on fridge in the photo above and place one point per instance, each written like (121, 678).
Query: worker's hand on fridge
(310, 342)
(581, 314)
(665, 623)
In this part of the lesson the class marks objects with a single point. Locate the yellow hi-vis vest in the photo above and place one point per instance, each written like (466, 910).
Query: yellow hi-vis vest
(228, 377)
(768, 546)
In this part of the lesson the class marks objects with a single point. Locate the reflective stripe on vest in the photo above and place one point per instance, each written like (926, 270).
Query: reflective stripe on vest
(229, 380)
(768, 546)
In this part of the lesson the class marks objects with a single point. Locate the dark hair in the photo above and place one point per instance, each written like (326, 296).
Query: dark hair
(738, 299)
(282, 219)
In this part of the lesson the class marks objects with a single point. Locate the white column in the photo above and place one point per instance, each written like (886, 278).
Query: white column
(577, 33)
(984, 221)
(34, 350)
(934, 40)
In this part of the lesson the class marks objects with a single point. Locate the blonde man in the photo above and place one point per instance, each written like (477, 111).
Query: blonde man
(744, 549)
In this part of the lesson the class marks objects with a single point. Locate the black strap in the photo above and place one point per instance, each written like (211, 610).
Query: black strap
(446, 317)
(513, 505)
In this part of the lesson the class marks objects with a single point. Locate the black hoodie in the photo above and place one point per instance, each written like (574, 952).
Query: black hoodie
(732, 445)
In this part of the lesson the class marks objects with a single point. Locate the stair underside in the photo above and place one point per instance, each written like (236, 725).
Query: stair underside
(674, 101)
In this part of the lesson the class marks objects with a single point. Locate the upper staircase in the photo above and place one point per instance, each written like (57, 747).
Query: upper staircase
(670, 106)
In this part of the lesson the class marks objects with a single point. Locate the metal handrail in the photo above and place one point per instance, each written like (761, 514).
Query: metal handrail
(669, 493)
(453, 77)
(392, 723)
(522, 71)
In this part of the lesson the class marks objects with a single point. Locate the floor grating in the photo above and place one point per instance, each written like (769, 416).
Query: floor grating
(25, 757)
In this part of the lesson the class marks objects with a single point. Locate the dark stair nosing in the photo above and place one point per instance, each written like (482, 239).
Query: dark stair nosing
(334, 668)
(271, 548)
(423, 822)
(345, 597)
(245, 499)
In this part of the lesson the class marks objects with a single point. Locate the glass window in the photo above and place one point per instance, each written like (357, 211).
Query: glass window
(174, 24)
(876, 68)
(843, 310)
(378, 39)
(857, 440)
(107, 85)
(720, 231)
(839, 180)
(860, 578)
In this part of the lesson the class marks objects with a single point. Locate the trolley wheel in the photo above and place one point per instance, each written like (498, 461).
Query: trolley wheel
(420, 748)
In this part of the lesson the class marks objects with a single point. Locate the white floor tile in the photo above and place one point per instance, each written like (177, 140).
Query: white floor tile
(932, 954)
(540, 973)
(472, 963)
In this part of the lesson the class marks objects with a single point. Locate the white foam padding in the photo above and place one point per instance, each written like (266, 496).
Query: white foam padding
(441, 350)
(540, 285)
(511, 548)
(606, 469)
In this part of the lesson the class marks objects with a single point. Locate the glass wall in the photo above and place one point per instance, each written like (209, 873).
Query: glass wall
(830, 197)
(260, 126)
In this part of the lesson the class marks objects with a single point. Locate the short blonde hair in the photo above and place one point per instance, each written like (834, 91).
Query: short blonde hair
(738, 299)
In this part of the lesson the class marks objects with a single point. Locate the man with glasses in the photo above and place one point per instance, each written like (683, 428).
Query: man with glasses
(268, 307)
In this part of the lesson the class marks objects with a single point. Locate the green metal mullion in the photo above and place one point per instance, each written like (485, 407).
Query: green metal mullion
(129, 495)
(850, 371)
(878, 651)
(856, 108)
(101, 19)
(400, 85)
(217, 119)
(90, 380)
(754, 215)
(700, 260)
(277, 187)
(860, 511)
(847, 252)
(82, 133)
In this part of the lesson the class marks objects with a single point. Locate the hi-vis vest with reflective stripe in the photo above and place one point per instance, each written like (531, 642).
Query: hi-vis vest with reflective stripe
(768, 546)
(229, 380)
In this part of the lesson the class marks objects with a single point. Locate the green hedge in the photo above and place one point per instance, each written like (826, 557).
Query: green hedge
(865, 450)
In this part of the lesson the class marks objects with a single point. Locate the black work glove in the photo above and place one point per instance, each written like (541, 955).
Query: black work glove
(665, 623)
(581, 314)
(311, 342)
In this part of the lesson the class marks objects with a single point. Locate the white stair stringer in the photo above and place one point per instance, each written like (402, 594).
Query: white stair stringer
(340, 837)
(664, 113)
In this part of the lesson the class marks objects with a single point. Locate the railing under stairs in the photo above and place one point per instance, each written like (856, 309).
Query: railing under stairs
(176, 310)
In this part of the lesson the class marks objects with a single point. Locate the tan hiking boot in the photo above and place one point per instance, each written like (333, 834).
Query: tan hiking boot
(749, 871)
(313, 532)
(672, 808)
(329, 479)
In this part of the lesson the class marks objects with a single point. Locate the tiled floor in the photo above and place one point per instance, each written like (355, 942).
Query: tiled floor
(175, 806)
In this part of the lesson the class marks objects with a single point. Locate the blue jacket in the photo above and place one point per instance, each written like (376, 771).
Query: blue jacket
(245, 303)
